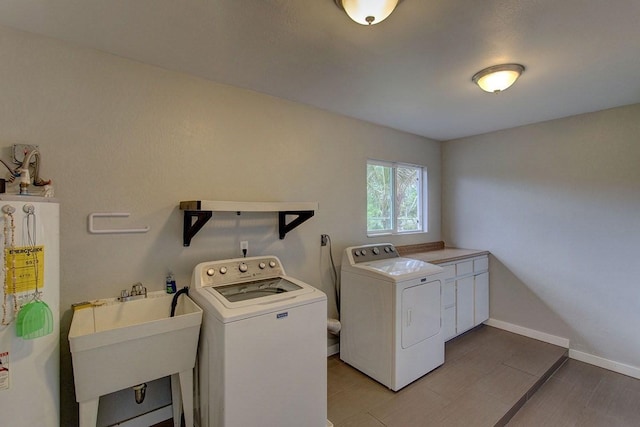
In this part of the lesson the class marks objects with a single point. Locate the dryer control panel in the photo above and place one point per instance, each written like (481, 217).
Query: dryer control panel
(373, 252)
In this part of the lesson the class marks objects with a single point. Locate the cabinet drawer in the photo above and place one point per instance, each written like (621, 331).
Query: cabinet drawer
(481, 264)
(448, 294)
(463, 268)
(449, 271)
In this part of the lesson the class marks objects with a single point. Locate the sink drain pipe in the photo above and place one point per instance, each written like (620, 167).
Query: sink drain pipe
(140, 391)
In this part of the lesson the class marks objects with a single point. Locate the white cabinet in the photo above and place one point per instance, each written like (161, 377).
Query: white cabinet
(481, 295)
(464, 304)
(465, 295)
(449, 309)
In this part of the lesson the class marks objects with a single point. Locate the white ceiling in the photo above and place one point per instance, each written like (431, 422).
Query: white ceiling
(411, 72)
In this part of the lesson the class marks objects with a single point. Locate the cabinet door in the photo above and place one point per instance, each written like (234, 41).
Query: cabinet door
(464, 304)
(481, 298)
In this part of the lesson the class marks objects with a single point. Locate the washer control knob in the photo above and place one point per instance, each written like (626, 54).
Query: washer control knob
(243, 267)
(262, 265)
(386, 249)
(211, 271)
(391, 249)
(272, 264)
(363, 252)
(375, 251)
(223, 270)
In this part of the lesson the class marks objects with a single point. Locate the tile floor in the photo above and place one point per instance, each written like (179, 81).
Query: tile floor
(487, 373)
(490, 377)
(583, 395)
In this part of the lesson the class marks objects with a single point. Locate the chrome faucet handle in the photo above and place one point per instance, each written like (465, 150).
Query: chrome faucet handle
(136, 289)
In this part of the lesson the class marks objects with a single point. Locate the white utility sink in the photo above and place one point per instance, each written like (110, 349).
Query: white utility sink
(122, 344)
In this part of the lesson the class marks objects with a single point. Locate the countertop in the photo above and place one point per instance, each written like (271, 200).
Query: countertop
(436, 253)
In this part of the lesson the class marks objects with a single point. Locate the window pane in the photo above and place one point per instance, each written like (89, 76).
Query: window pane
(379, 198)
(408, 198)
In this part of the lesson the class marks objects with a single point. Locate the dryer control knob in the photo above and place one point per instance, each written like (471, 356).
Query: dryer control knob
(223, 270)
(375, 251)
(211, 271)
(363, 252)
(262, 265)
(272, 264)
(386, 249)
(243, 267)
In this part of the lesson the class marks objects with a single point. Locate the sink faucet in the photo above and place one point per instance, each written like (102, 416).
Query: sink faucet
(137, 291)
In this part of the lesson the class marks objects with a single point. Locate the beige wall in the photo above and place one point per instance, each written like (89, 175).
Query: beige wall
(117, 135)
(558, 206)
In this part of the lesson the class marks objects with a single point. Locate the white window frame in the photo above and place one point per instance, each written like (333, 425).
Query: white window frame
(422, 202)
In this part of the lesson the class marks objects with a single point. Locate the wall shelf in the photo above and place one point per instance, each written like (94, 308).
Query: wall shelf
(202, 210)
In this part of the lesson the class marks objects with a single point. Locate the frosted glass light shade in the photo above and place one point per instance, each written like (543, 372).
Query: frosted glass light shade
(498, 78)
(368, 12)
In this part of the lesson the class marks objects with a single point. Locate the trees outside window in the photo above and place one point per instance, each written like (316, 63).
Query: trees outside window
(394, 198)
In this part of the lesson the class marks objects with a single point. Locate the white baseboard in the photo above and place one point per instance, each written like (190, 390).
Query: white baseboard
(150, 418)
(333, 349)
(531, 333)
(620, 368)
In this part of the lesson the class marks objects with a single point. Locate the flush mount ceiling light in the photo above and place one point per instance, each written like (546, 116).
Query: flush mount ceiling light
(368, 12)
(497, 78)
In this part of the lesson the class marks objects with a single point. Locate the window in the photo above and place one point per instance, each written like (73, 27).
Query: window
(395, 198)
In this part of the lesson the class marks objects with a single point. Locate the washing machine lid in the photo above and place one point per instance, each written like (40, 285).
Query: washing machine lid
(400, 269)
(257, 292)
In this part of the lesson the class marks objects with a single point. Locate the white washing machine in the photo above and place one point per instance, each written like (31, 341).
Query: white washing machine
(390, 314)
(262, 357)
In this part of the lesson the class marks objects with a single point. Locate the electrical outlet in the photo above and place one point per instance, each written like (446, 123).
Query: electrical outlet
(20, 151)
(323, 239)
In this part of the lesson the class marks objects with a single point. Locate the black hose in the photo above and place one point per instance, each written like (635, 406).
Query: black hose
(336, 285)
(174, 301)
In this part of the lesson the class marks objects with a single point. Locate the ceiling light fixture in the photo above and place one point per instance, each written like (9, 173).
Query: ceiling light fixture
(368, 12)
(498, 78)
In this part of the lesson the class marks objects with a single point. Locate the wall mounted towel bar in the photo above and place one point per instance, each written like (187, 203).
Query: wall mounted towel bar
(92, 229)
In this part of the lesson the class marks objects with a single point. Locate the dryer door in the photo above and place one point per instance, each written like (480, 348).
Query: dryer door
(420, 313)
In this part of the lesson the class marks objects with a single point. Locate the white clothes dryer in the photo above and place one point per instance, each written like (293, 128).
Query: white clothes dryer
(262, 356)
(390, 314)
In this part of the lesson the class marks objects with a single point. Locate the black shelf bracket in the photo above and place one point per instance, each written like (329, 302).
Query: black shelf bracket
(191, 228)
(285, 227)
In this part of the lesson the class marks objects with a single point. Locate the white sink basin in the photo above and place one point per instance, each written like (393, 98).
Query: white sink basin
(122, 344)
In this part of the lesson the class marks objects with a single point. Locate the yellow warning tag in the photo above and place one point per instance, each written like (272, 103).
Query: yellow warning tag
(28, 262)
